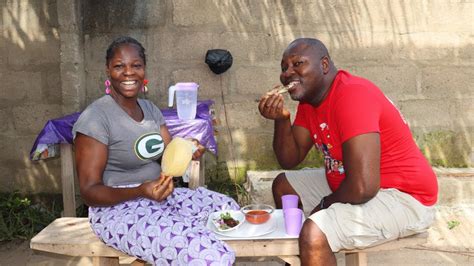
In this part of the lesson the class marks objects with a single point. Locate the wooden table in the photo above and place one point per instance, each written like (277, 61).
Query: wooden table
(74, 237)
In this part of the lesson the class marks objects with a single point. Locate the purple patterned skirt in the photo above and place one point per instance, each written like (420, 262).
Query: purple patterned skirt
(171, 232)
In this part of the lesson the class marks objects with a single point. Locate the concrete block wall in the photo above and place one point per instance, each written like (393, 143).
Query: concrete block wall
(418, 52)
(30, 92)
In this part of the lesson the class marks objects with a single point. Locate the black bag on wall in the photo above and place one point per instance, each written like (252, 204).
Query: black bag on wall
(219, 60)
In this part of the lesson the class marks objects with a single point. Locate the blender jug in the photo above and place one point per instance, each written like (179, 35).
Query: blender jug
(186, 99)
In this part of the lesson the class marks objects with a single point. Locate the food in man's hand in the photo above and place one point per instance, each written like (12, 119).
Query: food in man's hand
(282, 89)
(226, 221)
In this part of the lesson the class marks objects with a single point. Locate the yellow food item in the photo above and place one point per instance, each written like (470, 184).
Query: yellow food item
(177, 156)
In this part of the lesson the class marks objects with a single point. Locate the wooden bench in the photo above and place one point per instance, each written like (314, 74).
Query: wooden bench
(74, 237)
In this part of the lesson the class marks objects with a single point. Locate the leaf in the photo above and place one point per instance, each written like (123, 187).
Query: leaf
(452, 224)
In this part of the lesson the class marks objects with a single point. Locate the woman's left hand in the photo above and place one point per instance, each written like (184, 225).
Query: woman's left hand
(200, 149)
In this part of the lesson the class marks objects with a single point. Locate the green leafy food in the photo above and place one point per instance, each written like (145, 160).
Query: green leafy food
(226, 221)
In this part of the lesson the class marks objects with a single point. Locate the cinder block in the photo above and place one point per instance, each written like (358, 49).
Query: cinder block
(389, 79)
(259, 183)
(15, 149)
(245, 115)
(454, 191)
(344, 53)
(247, 47)
(132, 15)
(95, 48)
(34, 53)
(6, 126)
(73, 48)
(183, 48)
(247, 149)
(428, 113)
(51, 86)
(198, 13)
(21, 86)
(210, 84)
(464, 113)
(256, 81)
(447, 82)
(30, 119)
(233, 13)
(3, 51)
(6, 177)
(43, 176)
(466, 53)
(444, 147)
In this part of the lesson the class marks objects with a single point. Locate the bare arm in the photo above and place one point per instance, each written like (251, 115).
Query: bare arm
(362, 168)
(291, 144)
(91, 158)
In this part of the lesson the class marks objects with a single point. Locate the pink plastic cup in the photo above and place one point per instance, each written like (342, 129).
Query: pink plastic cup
(293, 219)
(289, 201)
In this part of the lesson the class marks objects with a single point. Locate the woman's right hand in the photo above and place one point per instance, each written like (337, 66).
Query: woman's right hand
(158, 189)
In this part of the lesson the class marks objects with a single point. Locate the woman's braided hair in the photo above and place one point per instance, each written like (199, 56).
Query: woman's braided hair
(123, 40)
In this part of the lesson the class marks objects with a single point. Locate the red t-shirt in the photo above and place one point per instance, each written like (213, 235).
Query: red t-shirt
(355, 106)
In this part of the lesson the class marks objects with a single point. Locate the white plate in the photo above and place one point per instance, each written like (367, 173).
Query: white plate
(245, 230)
(237, 215)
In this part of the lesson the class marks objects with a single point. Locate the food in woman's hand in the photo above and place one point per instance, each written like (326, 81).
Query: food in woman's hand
(226, 221)
(177, 156)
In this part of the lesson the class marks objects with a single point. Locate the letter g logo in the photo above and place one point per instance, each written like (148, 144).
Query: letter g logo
(149, 146)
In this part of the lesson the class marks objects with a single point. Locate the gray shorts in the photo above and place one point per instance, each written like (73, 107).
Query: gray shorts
(391, 214)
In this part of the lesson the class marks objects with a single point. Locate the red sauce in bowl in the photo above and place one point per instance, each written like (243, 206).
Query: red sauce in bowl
(257, 216)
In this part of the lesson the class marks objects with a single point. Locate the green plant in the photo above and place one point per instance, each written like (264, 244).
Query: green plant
(232, 189)
(452, 224)
(20, 219)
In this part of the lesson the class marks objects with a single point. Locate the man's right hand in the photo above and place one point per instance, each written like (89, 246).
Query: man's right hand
(271, 106)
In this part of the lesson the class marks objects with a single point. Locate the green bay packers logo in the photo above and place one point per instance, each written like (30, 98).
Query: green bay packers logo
(149, 146)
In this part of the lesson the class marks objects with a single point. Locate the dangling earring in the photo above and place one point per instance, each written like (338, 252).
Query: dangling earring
(145, 88)
(107, 86)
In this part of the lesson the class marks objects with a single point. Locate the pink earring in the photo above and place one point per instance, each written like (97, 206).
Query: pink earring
(145, 88)
(107, 86)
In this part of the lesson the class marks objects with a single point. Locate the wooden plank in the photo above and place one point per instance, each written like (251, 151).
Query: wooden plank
(105, 261)
(202, 170)
(264, 248)
(138, 262)
(194, 176)
(67, 180)
(356, 259)
(72, 237)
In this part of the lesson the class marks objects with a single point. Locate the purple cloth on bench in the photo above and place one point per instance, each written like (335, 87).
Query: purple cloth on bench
(59, 130)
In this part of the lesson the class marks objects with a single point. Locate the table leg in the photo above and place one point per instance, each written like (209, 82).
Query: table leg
(292, 260)
(67, 180)
(356, 259)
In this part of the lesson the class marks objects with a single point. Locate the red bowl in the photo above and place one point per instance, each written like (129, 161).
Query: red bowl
(257, 213)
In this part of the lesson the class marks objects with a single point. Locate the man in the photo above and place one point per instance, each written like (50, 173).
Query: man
(378, 185)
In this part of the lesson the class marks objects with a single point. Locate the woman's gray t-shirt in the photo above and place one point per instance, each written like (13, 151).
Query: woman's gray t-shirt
(133, 147)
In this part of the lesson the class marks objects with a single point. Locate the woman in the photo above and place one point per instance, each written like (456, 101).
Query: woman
(134, 208)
